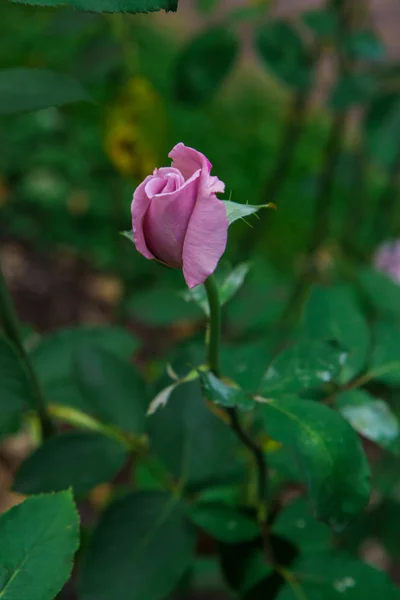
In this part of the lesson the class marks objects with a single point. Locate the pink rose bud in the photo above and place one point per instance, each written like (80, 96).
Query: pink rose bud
(387, 259)
(177, 218)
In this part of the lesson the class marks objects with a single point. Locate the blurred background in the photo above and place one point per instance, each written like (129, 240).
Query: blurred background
(294, 102)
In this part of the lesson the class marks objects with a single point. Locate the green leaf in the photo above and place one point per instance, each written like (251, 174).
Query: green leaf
(15, 394)
(109, 6)
(329, 453)
(382, 127)
(296, 524)
(323, 22)
(54, 356)
(223, 394)
(31, 89)
(365, 45)
(227, 288)
(236, 211)
(224, 523)
(387, 301)
(284, 54)
(113, 389)
(332, 313)
(38, 540)
(206, 6)
(204, 63)
(352, 89)
(334, 575)
(370, 417)
(141, 547)
(161, 307)
(385, 358)
(245, 363)
(75, 459)
(198, 437)
(305, 367)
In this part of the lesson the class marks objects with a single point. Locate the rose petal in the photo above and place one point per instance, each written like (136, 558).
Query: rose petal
(166, 222)
(188, 160)
(205, 240)
(139, 206)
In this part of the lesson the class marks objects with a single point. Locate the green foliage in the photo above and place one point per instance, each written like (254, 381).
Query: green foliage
(387, 301)
(54, 356)
(39, 539)
(31, 89)
(283, 53)
(15, 394)
(223, 394)
(144, 543)
(332, 575)
(303, 368)
(110, 6)
(370, 417)
(186, 419)
(161, 307)
(365, 45)
(296, 524)
(237, 211)
(332, 314)
(382, 127)
(385, 357)
(225, 523)
(353, 89)
(80, 460)
(324, 23)
(228, 286)
(203, 64)
(329, 453)
(112, 388)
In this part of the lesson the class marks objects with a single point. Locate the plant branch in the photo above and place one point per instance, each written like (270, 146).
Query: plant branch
(11, 328)
(234, 419)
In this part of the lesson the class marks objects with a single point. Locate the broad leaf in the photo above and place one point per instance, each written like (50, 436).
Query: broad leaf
(54, 356)
(236, 211)
(382, 127)
(31, 89)
(329, 453)
(198, 437)
(141, 547)
(283, 52)
(204, 63)
(364, 45)
(39, 539)
(76, 459)
(227, 287)
(223, 394)
(333, 314)
(224, 523)
(334, 575)
(109, 6)
(15, 393)
(161, 307)
(324, 23)
(296, 523)
(387, 301)
(305, 367)
(112, 388)
(370, 417)
(352, 89)
(245, 363)
(385, 358)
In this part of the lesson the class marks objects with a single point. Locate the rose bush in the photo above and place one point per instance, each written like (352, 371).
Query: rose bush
(177, 217)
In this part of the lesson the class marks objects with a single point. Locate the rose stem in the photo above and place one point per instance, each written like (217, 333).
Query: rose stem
(11, 328)
(213, 362)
